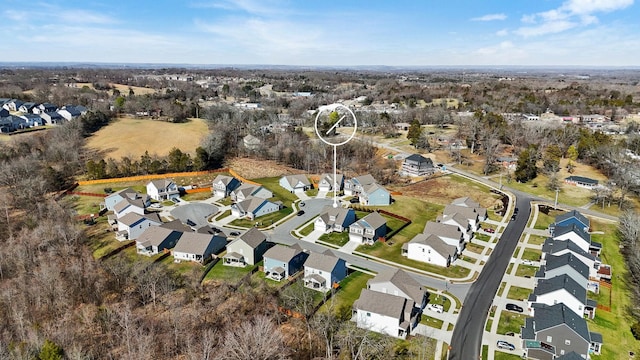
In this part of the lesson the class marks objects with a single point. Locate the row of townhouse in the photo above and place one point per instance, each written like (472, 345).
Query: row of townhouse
(559, 304)
(442, 241)
(29, 114)
(367, 230)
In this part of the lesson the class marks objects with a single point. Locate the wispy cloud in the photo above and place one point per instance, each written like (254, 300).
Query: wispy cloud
(490, 17)
(571, 14)
(252, 7)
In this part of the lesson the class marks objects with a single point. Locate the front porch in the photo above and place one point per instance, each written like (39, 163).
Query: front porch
(233, 259)
(277, 273)
(315, 282)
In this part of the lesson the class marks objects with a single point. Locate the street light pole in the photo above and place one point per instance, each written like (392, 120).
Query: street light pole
(555, 205)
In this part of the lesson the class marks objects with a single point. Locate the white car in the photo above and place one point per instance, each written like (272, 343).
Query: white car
(435, 307)
(527, 262)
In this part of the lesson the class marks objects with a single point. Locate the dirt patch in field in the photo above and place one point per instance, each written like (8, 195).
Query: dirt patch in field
(443, 190)
(254, 169)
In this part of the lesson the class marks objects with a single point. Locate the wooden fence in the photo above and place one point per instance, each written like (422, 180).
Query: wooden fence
(246, 181)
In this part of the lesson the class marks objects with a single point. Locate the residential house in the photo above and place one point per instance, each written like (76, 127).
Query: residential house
(163, 189)
(374, 194)
(70, 112)
(247, 249)
(450, 234)
(280, 261)
(467, 202)
(573, 233)
(354, 186)
(385, 313)
(571, 218)
(13, 105)
(199, 247)
(251, 142)
(562, 289)
(324, 271)
(399, 283)
(564, 264)
(4, 112)
(561, 247)
(555, 331)
(417, 165)
(128, 193)
(27, 107)
(581, 181)
(132, 225)
(177, 225)
(459, 220)
(156, 239)
(295, 183)
(472, 215)
(128, 205)
(431, 249)
(32, 120)
(254, 207)
(245, 191)
(368, 229)
(52, 118)
(223, 185)
(44, 108)
(336, 219)
(326, 182)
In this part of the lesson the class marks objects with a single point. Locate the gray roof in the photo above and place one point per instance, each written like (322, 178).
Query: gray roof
(527, 331)
(440, 229)
(373, 221)
(568, 259)
(570, 356)
(252, 237)
(324, 262)
(552, 247)
(466, 202)
(582, 179)
(417, 158)
(401, 279)
(125, 202)
(162, 183)
(596, 337)
(546, 317)
(371, 188)
(251, 204)
(467, 212)
(155, 235)
(363, 180)
(282, 253)
(195, 243)
(339, 213)
(563, 281)
(458, 218)
(294, 179)
(561, 230)
(383, 304)
(329, 178)
(573, 213)
(133, 218)
(436, 243)
(225, 179)
(177, 225)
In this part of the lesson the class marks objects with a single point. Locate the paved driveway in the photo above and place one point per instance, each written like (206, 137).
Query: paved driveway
(194, 214)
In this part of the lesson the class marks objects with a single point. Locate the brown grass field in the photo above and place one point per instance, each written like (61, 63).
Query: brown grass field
(124, 89)
(132, 137)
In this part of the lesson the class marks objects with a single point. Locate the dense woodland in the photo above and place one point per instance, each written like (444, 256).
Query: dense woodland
(56, 301)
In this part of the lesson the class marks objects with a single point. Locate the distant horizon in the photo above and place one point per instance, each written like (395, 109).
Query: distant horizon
(330, 33)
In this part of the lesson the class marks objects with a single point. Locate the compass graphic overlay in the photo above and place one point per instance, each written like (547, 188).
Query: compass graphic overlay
(326, 117)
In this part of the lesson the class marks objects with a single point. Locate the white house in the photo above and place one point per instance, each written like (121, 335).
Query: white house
(334, 219)
(223, 185)
(322, 272)
(131, 225)
(450, 234)
(163, 189)
(326, 182)
(368, 229)
(354, 186)
(128, 205)
(398, 282)
(471, 214)
(431, 249)
(254, 207)
(561, 289)
(385, 313)
(574, 234)
(246, 190)
(564, 264)
(198, 247)
(459, 220)
(128, 193)
(295, 183)
(560, 247)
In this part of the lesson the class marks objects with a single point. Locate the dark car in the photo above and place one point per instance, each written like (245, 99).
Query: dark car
(302, 204)
(515, 211)
(354, 200)
(234, 233)
(514, 307)
(513, 217)
(301, 212)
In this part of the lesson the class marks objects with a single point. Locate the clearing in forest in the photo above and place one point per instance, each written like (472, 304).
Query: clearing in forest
(131, 137)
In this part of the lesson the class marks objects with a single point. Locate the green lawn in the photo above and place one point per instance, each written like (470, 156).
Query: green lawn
(230, 274)
(263, 221)
(442, 300)
(453, 271)
(272, 184)
(518, 293)
(223, 215)
(485, 352)
(481, 237)
(536, 240)
(531, 254)
(526, 270)
(499, 355)
(615, 325)
(307, 229)
(544, 220)
(474, 248)
(502, 286)
(569, 195)
(338, 239)
(84, 205)
(198, 196)
(348, 292)
(432, 322)
(510, 322)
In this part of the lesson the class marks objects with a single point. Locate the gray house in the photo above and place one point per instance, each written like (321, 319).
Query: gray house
(223, 185)
(555, 331)
(199, 247)
(280, 261)
(156, 239)
(128, 193)
(323, 271)
(368, 229)
(247, 249)
(417, 165)
(398, 282)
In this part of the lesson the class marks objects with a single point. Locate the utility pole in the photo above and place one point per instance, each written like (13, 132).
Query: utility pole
(555, 205)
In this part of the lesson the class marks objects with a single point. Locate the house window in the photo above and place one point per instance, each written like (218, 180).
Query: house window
(369, 314)
(429, 251)
(549, 339)
(567, 342)
(561, 352)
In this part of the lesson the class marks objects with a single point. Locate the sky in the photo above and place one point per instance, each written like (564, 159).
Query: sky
(324, 33)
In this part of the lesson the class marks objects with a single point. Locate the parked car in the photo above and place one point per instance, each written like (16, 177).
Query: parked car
(513, 217)
(527, 262)
(302, 204)
(354, 200)
(510, 333)
(490, 230)
(514, 307)
(156, 205)
(234, 233)
(435, 307)
(515, 211)
(505, 345)
(301, 212)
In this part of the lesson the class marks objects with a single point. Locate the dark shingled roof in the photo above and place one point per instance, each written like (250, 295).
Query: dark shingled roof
(573, 213)
(554, 262)
(564, 281)
(561, 230)
(551, 316)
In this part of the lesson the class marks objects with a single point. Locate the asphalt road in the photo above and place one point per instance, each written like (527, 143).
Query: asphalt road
(466, 340)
